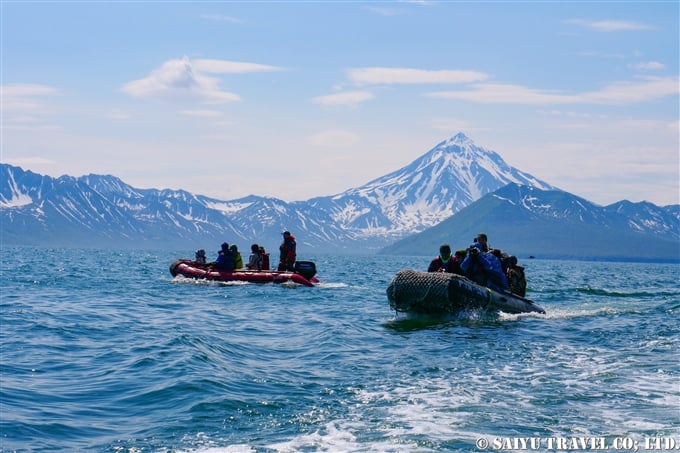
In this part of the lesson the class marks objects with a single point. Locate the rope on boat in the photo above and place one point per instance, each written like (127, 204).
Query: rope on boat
(488, 299)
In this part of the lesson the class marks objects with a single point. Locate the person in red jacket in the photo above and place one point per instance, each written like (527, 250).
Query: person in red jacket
(265, 259)
(288, 252)
(445, 262)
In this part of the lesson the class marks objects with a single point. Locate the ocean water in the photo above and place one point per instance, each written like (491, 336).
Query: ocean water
(102, 351)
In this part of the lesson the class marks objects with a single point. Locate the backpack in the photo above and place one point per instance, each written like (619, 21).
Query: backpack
(517, 281)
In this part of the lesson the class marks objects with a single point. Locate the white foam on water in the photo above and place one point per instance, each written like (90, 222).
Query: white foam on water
(437, 409)
(330, 438)
(209, 445)
(603, 390)
(331, 285)
(227, 449)
(570, 313)
(205, 282)
(595, 394)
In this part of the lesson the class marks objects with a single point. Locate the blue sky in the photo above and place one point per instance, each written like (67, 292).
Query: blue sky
(302, 99)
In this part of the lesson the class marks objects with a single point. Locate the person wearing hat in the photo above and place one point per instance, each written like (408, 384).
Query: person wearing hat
(445, 262)
(288, 252)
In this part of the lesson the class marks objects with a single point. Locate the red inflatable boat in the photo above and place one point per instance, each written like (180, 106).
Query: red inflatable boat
(303, 274)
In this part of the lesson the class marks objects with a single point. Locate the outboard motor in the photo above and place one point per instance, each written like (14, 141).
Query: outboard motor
(305, 268)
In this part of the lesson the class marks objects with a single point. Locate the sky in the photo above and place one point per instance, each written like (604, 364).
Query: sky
(308, 98)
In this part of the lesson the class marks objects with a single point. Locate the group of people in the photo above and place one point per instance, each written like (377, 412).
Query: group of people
(229, 257)
(480, 263)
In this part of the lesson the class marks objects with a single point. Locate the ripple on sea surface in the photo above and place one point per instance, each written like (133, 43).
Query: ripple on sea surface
(117, 355)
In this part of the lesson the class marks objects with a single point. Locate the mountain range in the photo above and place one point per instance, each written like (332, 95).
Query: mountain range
(395, 213)
(526, 221)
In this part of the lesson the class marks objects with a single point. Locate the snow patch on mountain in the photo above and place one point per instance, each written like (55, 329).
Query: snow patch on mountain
(17, 200)
(17, 197)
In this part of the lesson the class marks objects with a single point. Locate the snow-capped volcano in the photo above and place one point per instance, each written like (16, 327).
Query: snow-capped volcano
(96, 210)
(430, 189)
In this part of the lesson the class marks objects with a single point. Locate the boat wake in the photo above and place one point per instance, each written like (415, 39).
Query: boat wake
(203, 282)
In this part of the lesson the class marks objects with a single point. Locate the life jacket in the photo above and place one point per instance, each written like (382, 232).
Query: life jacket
(451, 266)
(288, 252)
(265, 261)
(238, 260)
(517, 281)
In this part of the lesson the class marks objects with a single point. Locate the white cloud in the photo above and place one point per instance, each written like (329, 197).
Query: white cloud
(648, 66)
(388, 76)
(631, 92)
(18, 105)
(203, 113)
(349, 98)
(598, 54)
(30, 127)
(18, 98)
(617, 93)
(232, 67)
(221, 18)
(610, 25)
(417, 2)
(177, 80)
(382, 11)
(570, 114)
(24, 107)
(334, 138)
(183, 80)
(498, 93)
(24, 90)
(29, 162)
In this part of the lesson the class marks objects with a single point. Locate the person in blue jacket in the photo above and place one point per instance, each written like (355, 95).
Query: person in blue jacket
(484, 268)
(495, 276)
(225, 258)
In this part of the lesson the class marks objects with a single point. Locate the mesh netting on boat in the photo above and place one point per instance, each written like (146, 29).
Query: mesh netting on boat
(433, 291)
